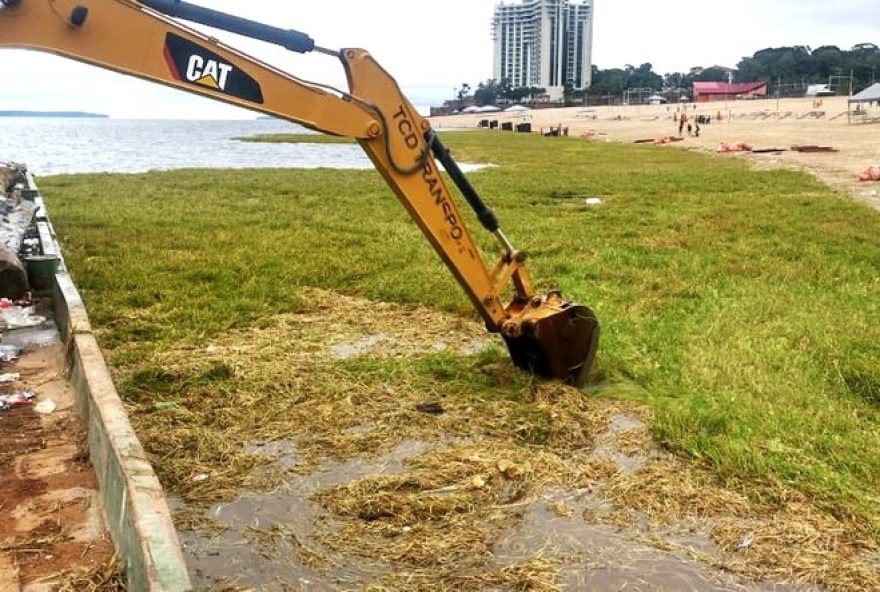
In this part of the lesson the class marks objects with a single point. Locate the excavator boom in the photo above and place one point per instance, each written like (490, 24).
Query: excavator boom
(544, 333)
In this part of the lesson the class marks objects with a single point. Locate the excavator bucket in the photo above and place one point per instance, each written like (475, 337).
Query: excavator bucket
(554, 339)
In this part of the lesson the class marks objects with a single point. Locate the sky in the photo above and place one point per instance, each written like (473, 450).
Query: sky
(432, 47)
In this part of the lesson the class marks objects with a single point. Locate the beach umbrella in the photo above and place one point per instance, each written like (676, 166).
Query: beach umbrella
(517, 108)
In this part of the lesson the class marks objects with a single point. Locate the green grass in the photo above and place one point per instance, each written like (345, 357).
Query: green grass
(743, 305)
(296, 139)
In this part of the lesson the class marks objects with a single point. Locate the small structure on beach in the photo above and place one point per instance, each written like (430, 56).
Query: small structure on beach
(819, 90)
(859, 104)
(724, 91)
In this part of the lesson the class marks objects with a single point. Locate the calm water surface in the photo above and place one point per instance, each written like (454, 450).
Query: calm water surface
(51, 146)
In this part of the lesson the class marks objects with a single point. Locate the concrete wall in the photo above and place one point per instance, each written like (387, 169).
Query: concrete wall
(134, 502)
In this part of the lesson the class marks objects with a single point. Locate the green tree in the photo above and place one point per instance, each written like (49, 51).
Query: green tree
(713, 74)
(676, 80)
(486, 93)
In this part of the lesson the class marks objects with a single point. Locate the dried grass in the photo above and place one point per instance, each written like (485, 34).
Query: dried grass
(104, 577)
(668, 490)
(276, 391)
(434, 526)
(273, 391)
(270, 541)
(800, 541)
(535, 575)
(791, 540)
(447, 509)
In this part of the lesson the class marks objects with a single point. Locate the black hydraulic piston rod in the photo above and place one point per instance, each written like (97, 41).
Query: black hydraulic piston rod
(292, 40)
(484, 214)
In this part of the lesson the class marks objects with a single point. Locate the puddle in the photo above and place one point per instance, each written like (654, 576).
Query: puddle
(606, 447)
(268, 540)
(600, 557)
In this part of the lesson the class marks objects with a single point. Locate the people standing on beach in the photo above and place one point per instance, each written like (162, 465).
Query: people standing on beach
(697, 128)
(681, 122)
(690, 129)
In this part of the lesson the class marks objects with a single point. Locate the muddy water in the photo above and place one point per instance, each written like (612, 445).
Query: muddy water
(602, 557)
(599, 557)
(269, 540)
(267, 543)
(606, 449)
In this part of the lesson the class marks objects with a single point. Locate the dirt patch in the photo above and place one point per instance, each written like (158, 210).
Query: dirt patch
(53, 523)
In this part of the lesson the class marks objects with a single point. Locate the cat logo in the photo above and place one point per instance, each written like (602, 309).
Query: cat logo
(208, 73)
(194, 64)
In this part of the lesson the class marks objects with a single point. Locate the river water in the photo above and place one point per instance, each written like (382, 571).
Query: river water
(51, 146)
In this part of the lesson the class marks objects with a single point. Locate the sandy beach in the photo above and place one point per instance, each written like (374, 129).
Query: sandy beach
(762, 124)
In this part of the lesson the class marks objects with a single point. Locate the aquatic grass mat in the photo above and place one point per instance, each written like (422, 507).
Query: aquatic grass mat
(365, 378)
(741, 307)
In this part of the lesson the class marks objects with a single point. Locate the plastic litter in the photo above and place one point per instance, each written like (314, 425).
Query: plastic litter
(7, 402)
(18, 317)
(745, 543)
(46, 407)
(33, 338)
(9, 353)
(10, 377)
(593, 201)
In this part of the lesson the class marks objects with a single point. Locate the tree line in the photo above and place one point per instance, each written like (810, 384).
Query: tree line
(782, 67)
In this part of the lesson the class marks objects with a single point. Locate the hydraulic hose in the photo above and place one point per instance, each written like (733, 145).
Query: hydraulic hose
(289, 39)
(484, 214)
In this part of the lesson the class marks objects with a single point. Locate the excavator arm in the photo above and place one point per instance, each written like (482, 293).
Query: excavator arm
(544, 333)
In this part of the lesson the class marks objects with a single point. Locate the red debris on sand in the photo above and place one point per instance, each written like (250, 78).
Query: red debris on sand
(872, 173)
(738, 147)
(7, 402)
(668, 140)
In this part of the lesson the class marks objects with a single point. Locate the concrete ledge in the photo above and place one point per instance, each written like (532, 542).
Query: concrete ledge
(134, 501)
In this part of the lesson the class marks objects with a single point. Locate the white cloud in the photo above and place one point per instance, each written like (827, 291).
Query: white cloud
(432, 47)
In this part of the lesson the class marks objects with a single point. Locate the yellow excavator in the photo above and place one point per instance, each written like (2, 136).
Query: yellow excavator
(545, 334)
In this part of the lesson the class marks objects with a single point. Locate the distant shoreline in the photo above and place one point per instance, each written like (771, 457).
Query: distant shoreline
(77, 114)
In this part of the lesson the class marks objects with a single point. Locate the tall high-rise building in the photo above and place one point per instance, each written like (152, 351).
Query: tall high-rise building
(545, 43)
